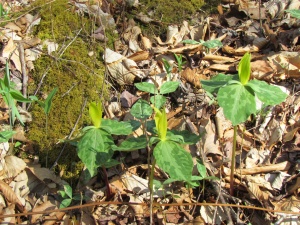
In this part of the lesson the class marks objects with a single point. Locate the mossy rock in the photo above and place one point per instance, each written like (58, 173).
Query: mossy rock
(172, 12)
(78, 76)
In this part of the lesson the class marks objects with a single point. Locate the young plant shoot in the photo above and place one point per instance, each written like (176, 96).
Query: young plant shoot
(237, 96)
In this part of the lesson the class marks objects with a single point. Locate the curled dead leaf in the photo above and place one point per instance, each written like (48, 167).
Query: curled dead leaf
(10, 195)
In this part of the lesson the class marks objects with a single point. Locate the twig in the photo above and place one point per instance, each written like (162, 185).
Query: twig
(70, 135)
(159, 204)
(24, 73)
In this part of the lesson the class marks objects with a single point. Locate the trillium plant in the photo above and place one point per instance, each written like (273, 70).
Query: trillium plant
(237, 94)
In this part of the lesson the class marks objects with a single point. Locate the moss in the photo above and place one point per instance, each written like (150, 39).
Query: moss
(78, 77)
(172, 12)
(168, 12)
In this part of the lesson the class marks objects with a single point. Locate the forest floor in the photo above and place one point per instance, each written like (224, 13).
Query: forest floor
(129, 55)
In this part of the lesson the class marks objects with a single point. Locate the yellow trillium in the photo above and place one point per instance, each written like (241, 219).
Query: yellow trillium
(161, 123)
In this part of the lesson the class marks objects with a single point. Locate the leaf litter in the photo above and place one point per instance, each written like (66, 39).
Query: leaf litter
(267, 170)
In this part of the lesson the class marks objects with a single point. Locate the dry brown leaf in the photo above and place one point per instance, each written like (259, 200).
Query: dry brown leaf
(210, 139)
(261, 69)
(139, 56)
(193, 76)
(47, 205)
(218, 58)
(12, 26)
(294, 187)
(173, 215)
(12, 166)
(260, 195)
(7, 211)
(10, 195)
(286, 64)
(288, 204)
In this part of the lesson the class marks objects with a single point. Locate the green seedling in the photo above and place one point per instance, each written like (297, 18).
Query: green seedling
(168, 67)
(294, 13)
(236, 95)
(202, 175)
(10, 95)
(46, 106)
(158, 100)
(207, 44)
(6, 135)
(3, 13)
(67, 195)
(179, 61)
(95, 145)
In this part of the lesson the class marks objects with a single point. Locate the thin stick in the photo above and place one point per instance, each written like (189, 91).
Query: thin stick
(24, 73)
(233, 161)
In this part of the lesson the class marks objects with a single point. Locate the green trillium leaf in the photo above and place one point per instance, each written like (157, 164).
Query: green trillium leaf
(141, 110)
(94, 149)
(158, 101)
(116, 127)
(268, 94)
(131, 144)
(168, 87)
(147, 87)
(174, 160)
(237, 101)
(213, 85)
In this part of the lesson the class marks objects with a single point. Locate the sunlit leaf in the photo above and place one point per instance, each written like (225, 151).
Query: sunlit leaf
(161, 123)
(147, 87)
(116, 127)
(94, 149)
(244, 68)
(141, 110)
(168, 87)
(174, 160)
(158, 101)
(95, 112)
(65, 203)
(268, 94)
(213, 85)
(212, 43)
(294, 13)
(6, 135)
(237, 101)
(68, 190)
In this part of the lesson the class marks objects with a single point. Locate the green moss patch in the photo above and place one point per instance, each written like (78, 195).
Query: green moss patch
(78, 76)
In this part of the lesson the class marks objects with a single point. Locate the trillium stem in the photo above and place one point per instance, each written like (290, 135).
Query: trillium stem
(233, 160)
(151, 189)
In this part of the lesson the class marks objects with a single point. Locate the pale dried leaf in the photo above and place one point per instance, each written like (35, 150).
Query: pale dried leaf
(277, 179)
(209, 139)
(207, 213)
(12, 166)
(286, 64)
(12, 26)
(11, 50)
